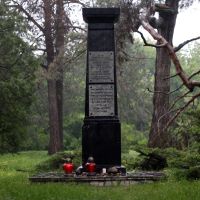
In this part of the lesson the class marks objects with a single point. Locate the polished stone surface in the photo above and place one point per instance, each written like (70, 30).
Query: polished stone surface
(101, 131)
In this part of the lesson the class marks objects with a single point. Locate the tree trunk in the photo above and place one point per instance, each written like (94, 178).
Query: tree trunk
(54, 140)
(158, 137)
(60, 53)
(55, 143)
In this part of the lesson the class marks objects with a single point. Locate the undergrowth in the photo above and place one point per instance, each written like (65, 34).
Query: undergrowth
(14, 184)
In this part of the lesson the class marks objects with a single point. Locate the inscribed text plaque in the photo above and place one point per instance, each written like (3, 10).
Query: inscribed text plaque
(101, 66)
(101, 100)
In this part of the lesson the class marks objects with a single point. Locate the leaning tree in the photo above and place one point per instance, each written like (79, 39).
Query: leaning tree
(161, 28)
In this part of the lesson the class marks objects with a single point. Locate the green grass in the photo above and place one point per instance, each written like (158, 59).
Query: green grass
(14, 185)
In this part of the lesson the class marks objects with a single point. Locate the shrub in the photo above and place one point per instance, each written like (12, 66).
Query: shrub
(194, 173)
(56, 161)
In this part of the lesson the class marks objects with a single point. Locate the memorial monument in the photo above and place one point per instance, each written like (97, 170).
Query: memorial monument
(101, 132)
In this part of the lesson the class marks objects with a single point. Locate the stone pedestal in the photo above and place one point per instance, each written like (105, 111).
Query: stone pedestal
(101, 132)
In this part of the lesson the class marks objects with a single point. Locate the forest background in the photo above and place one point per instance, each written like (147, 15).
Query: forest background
(24, 115)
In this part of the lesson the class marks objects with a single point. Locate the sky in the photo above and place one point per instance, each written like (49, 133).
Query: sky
(187, 25)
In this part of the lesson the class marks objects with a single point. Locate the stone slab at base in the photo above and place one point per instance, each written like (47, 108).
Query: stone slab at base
(100, 180)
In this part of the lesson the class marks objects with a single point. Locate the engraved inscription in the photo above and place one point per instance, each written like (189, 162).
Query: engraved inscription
(101, 66)
(101, 100)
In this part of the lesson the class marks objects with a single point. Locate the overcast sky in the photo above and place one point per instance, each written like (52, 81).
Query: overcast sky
(187, 25)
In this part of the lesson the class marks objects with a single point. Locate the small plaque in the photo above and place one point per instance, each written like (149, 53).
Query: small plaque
(101, 66)
(101, 100)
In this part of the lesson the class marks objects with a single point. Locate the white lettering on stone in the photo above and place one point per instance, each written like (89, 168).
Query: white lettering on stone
(101, 66)
(101, 100)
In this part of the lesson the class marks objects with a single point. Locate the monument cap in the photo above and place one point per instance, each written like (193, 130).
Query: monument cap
(101, 15)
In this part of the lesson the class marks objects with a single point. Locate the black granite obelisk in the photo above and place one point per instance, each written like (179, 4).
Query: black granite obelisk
(101, 132)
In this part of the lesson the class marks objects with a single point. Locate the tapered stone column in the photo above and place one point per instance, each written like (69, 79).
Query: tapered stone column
(101, 132)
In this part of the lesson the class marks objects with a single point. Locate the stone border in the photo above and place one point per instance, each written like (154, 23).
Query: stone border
(99, 180)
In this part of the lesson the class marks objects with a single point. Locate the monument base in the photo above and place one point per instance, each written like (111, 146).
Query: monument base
(99, 180)
(101, 139)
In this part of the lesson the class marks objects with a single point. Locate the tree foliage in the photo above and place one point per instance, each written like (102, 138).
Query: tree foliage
(24, 108)
(17, 66)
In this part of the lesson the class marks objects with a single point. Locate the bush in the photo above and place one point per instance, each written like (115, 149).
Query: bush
(72, 131)
(180, 159)
(131, 137)
(56, 161)
(182, 164)
(131, 160)
(194, 173)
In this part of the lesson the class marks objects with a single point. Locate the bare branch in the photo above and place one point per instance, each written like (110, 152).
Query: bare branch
(180, 110)
(39, 49)
(169, 77)
(75, 56)
(196, 73)
(190, 84)
(180, 46)
(150, 45)
(161, 117)
(20, 7)
(178, 88)
(167, 93)
(179, 98)
(75, 1)
(77, 27)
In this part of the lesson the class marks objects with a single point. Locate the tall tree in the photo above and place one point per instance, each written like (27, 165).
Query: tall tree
(49, 24)
(55, 81)
(141, 14)
(158, 137)
(165, 25)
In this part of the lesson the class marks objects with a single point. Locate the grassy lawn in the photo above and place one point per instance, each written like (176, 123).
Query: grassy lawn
(14, 185)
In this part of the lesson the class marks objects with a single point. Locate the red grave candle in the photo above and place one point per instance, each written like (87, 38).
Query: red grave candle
(68, 167)
(90, 167)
